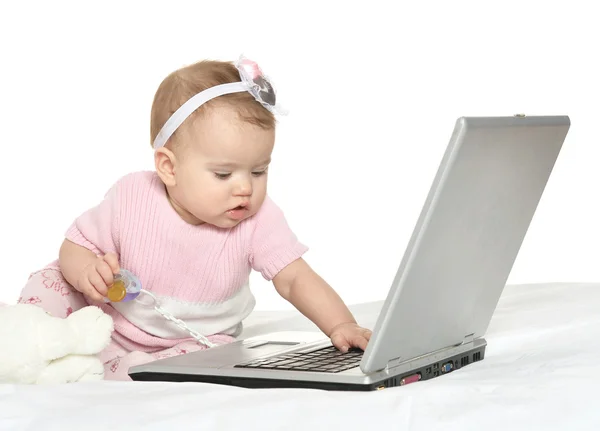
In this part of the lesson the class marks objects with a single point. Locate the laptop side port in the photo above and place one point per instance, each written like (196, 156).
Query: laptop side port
(410, 379)
(447, 367)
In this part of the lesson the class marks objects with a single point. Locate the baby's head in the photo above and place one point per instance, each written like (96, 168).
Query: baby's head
(214, 166)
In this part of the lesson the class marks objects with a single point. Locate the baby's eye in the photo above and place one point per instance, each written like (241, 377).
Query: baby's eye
(222, 176)
(259, 173)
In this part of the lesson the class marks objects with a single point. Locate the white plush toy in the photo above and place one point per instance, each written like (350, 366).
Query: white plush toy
(37, 348)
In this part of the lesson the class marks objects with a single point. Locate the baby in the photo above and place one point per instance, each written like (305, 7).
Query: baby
(193, 229)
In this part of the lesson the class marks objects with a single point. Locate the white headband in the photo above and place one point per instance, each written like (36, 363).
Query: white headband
(253, 81)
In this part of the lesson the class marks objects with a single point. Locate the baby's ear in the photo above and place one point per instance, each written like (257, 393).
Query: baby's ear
(164, 163)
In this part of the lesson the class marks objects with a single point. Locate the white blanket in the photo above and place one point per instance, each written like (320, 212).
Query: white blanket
(540, 373)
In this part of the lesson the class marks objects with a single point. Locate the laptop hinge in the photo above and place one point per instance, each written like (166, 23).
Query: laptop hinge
(393, 362)
(468, 338)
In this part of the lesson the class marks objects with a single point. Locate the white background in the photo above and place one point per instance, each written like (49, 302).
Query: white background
(373, 88)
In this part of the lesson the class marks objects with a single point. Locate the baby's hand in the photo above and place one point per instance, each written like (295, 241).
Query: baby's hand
(347, 335)
(98, 276)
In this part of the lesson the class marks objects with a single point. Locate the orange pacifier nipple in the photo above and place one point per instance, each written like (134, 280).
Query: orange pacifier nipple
(117, 291)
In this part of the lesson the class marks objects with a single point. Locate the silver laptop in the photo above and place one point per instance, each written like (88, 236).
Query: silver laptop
(448, 283)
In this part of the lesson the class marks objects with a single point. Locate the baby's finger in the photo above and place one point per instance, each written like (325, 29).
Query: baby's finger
(340, 342)
(105, 272)
(359, 341)
(113, 262)
(86, 288)
(98, 283)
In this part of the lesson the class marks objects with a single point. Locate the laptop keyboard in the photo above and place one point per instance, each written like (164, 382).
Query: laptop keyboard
(326, 360)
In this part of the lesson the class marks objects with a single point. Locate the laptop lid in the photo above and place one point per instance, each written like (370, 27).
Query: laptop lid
(467, 237)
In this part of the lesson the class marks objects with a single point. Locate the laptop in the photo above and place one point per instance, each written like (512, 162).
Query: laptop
(447, 286)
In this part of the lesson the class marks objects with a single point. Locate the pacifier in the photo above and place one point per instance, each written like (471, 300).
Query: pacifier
(125, 287)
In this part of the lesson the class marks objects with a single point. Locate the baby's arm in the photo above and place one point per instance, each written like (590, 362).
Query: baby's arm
(299, 284)
(73, 258)
(276, 254)
(88, 255)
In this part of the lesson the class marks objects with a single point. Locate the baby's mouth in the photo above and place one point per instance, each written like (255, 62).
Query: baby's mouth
(240, 207)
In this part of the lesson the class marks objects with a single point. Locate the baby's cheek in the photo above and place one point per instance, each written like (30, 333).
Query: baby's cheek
(217, 194)
(258, 197)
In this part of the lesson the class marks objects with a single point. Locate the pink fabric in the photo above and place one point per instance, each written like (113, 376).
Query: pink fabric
(194, 264)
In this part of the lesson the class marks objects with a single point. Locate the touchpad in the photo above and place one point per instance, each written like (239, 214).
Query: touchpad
(269, 347)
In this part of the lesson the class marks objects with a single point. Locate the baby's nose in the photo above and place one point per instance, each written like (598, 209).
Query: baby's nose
(243, 188)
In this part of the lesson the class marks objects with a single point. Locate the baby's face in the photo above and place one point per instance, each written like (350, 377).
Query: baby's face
(222, 176)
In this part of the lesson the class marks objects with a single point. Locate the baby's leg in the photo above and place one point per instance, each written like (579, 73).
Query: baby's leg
(116, 368)
(48, 289)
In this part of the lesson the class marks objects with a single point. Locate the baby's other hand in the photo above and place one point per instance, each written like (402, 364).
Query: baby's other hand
(96, 278)
(347, 335)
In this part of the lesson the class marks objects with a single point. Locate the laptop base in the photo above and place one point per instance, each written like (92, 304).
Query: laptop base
(425, 372)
